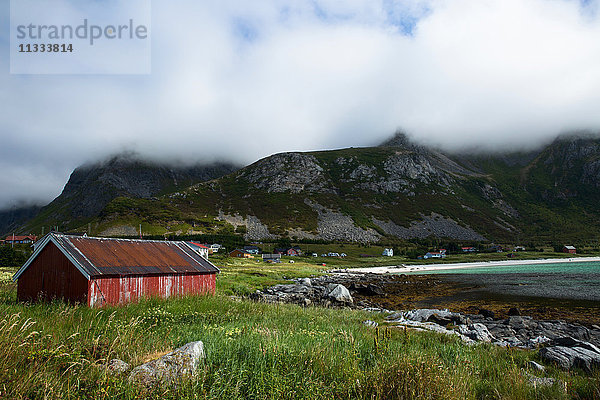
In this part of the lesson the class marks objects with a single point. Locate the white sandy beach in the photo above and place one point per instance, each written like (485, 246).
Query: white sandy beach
(438, 267)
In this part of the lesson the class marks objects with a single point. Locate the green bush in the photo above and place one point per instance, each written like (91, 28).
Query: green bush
(13, 257)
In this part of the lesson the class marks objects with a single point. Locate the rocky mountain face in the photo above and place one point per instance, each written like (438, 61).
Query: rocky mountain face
(404, 190)
(287, 172)
(571, 167)
(92, 187)
(397, 190)
(396, 168)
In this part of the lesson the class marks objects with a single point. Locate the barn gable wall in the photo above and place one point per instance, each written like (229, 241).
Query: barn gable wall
(51, 275)
(120, 290)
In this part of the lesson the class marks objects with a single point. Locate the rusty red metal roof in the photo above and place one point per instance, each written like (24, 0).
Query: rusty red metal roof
(117, 257)
(18, 238)
(199, 245)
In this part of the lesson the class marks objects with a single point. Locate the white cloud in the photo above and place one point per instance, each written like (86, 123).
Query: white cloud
(243, 80)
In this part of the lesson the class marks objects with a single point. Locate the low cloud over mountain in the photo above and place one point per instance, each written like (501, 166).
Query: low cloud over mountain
(242, 80)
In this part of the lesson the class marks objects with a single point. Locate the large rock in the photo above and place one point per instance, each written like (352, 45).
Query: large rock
(367, 289)
(440, 317)
(340, 294)
(517, 322)
(431, 326)
(572, 353)
(477, 332)
(305, 281)
(170, 367)
(297, 288)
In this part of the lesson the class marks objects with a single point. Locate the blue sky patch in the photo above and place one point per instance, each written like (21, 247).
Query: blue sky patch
(245, 29)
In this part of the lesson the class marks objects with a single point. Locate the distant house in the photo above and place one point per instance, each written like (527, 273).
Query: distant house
(104, 271)
(496, 248)
(215, 247)
(289, 251)
(12, 239)
(271, 257)
(434, 254)
(201, 249)
(252, 249)
(569, 249)
(238, 253)
(468, 249)
(294, 252)
(519, 248)
(443, 251)
(388, 252)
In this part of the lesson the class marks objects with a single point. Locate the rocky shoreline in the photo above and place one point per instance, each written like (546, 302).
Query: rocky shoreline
(404, 292)
(566, 344)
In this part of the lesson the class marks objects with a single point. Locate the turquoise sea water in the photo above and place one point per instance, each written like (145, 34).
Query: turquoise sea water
(569, 280)
(557, 268)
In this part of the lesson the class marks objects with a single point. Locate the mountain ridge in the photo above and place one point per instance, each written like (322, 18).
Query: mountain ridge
(396, 191)
(92, 186)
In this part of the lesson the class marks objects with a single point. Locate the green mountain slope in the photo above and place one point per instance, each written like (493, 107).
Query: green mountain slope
(556, 190)
(395, 191)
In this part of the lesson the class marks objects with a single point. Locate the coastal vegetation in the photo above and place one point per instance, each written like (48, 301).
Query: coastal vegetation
(255, 350)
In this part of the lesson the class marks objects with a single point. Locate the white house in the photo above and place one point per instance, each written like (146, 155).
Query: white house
(388, 252)
(200, 249)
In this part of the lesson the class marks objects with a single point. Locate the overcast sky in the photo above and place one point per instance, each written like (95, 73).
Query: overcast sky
(245, 79)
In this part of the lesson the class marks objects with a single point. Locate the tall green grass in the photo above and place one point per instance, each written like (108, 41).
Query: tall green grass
(254, 351)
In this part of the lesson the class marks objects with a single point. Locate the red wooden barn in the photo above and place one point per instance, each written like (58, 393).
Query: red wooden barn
(99, 271)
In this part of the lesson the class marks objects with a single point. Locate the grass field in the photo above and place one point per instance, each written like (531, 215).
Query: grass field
(254, 350)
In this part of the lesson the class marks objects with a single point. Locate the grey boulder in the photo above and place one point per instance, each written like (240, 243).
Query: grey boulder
(340, 294)
(170, 367)
(478, 332)
(440, 317)
(305, 281)
(572, 353)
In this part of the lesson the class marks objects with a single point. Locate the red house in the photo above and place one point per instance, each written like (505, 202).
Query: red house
(12, 239)
(100, 271)
(569, 249)
(289, 251)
